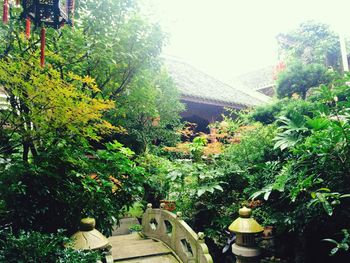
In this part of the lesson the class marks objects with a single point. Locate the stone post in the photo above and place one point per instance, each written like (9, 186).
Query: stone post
(246, 228)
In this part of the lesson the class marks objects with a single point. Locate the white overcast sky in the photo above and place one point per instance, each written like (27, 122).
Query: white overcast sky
(226, 38)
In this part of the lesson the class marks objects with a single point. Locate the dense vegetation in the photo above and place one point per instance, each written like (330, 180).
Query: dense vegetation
(292, 169)
(96, 130)
(66, 129)
(288, 160)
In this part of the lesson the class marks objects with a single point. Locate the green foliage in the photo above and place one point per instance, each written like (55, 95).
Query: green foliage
(33, 247)
(118, 49)
(311, 42)
(299, 78)
(209, 191)
(59, 115)
(267, 114)
(135, 228)
(149, 112)
(254, 146)
(44, 108)
(194, 178)
(115, 41)
(294, 171)
(66, 185)
(291, 131)
(110, 42)
(136, 210)
(156, 184)
(196, 148)
(342, 245)
(286, 107)
(327, 199)
(315, 149)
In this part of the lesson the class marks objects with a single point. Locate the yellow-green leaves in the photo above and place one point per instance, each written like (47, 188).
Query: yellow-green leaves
(43, 102)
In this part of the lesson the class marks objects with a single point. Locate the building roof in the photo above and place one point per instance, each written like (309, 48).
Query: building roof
(195, 85)
(257, 79)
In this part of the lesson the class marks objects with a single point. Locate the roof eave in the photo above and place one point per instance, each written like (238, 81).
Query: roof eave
(213, 102)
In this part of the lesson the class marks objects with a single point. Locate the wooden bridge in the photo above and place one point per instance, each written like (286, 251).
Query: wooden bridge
(165, 238)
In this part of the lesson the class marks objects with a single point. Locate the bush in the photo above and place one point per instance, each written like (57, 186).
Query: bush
(306, 188)
(34, 247)
(64, 185)
(268, 114)
(156, 183)
(221, 181)
(299, 78)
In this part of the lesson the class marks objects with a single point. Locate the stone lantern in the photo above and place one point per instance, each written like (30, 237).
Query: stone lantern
(245, 227)
(88, 238)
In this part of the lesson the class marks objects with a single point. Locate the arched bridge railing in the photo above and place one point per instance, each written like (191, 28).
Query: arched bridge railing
(175, 233)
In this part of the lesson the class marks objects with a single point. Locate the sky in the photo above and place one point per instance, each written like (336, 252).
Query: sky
(226, 38)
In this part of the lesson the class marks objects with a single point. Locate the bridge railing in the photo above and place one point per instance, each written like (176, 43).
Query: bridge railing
(175, 233)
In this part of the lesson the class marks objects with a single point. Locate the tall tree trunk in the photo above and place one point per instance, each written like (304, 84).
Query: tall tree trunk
(25, 155)
(33, 150)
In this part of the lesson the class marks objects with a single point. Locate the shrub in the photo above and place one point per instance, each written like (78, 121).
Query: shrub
(299, 78)
(156, 183)
(268, 114)
(63, 185)
(33, 247)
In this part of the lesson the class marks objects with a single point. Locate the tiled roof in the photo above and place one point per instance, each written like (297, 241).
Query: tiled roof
(195, 84)
(256, 79)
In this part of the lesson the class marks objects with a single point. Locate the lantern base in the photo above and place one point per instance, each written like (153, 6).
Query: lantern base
(246, 254)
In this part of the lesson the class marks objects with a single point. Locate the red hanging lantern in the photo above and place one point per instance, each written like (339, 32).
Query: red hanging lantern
(28, 25)
(42, 47)
(52, 13)
(5, 14)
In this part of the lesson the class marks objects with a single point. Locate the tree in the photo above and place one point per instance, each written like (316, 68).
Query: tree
(56, 115)
(118, 48)
(45, 109)
(149, 111)
(311, 42)
(110, 42)
(299, 78)
(48, 168)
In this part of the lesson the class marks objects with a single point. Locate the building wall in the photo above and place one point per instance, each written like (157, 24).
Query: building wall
(201, 114)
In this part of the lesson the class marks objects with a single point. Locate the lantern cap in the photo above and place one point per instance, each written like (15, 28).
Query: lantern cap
(245, 224)
(245, 212)
(87, 224)
(88, 238)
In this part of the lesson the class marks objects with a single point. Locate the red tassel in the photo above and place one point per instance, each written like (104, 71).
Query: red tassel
(42, 48)
(5, 14)
(28, 23)
(17, 2)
